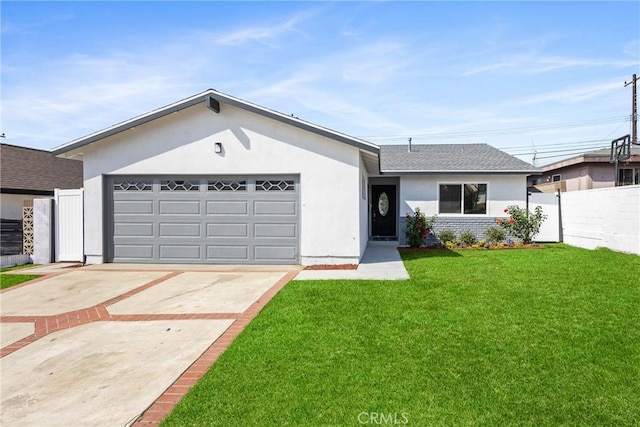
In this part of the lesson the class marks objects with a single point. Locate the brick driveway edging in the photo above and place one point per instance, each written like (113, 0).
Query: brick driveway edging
(164, 404)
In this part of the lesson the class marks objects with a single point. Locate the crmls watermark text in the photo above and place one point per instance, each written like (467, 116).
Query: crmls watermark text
(382, 418)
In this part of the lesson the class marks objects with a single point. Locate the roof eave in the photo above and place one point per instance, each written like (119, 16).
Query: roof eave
(131, 123)
(468, 172)
(216, 96)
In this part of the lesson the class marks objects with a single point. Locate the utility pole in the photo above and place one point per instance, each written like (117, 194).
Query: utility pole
(634, 109)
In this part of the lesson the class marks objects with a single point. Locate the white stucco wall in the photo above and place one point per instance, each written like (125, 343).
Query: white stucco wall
(422, 191)
(605, 217)
(11, 204)
(183, 143)
(364, 208)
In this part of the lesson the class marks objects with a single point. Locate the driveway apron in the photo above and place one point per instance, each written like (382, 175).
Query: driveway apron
(104, 345)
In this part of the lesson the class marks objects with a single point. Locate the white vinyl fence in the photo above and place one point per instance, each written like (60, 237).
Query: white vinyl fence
(604, 217)
(550, 228)
(69, 219)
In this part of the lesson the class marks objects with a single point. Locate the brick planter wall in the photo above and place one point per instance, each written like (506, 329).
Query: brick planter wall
(477, 225)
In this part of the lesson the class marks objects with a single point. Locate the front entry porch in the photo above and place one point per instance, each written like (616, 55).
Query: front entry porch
(383, 212)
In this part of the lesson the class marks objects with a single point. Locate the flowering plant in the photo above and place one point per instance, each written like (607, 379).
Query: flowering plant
(417, 227)
(522, 224)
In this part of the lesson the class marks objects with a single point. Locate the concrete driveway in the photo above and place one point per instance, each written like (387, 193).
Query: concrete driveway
(113, 344)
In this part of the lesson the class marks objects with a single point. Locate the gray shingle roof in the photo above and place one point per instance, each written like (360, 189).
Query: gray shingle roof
(468, 158)
(30, 169)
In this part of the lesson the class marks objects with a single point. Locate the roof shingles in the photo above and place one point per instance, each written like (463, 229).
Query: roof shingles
(454, 158)
(37, 170)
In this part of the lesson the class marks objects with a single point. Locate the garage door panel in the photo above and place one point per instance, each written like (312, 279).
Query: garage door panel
(168, 229)
(179, 252)
(137, 252)
(275, 230)
(227, 230)
(227, 207)
(262, 207)
(130, 207)
(235, 253)
(217, 220)
(180, 207)
(274, 253)
(133, 229)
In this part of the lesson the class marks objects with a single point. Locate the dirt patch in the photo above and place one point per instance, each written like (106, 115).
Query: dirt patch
(332, 267)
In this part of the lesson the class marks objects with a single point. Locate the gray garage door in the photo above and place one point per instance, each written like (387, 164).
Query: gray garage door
(247, 220)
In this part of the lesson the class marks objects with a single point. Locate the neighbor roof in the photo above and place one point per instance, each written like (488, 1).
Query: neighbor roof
(212, 99)
(458, 158)
(32, 171)
(602, 155)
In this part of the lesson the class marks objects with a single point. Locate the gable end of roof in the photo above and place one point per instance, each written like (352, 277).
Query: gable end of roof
(212, 100)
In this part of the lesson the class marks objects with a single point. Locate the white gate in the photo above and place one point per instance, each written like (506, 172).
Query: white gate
(550, 228)
(69, 218)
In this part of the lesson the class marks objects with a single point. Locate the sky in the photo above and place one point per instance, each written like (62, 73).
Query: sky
(543, 79)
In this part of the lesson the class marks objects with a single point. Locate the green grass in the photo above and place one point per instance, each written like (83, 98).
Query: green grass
(8, 280)
(516, 337)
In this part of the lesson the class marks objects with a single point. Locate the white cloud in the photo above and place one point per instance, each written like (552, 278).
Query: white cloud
(264, 34)
(574, 94)
(536, 64)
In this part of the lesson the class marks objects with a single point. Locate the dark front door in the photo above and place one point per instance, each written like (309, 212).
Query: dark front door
(383, 211)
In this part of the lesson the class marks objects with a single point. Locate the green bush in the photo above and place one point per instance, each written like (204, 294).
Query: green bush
(467, 237)
(522, 224)
(447, 236)
(495, 234)
(417, 227)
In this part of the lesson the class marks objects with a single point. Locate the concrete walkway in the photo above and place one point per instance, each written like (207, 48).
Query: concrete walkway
(104, 345)
(381, 261)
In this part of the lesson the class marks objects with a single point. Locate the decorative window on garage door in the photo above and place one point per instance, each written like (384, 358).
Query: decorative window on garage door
(177, 185)
(234, 185)
(128, 185)
(275, 185)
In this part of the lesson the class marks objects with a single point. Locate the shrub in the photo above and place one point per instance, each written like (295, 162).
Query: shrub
(450, 245)
(467, 237)
(447, 236)
(495, 234)
(522, 224)
(417, 227)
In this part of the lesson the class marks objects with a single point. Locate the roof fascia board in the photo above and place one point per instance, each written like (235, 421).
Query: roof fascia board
(26, 191)
(209, 96)
(461, 172)
(129, 124)
(293, 121)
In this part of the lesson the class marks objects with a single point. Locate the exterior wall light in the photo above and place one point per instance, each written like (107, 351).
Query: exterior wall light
(217, 147)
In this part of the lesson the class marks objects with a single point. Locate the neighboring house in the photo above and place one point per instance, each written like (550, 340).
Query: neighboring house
(587, 171)
(215, 179)
(28, 173)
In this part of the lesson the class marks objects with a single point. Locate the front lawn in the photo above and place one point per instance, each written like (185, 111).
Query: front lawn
(8, 280)
(521, 337)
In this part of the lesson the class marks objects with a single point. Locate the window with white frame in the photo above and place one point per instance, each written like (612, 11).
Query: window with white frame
(467, 199)
(555, 178)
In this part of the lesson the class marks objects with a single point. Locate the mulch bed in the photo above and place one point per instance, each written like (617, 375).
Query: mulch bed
(430, 248)
(332, 267)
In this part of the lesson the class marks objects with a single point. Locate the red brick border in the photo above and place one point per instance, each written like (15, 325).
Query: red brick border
(164, 404)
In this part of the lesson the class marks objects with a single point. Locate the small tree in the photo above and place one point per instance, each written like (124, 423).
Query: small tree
(522, 224)
(417, 227)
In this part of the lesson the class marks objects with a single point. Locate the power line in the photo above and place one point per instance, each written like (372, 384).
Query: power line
(507, 131)
(558, 144)
(566, 151)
